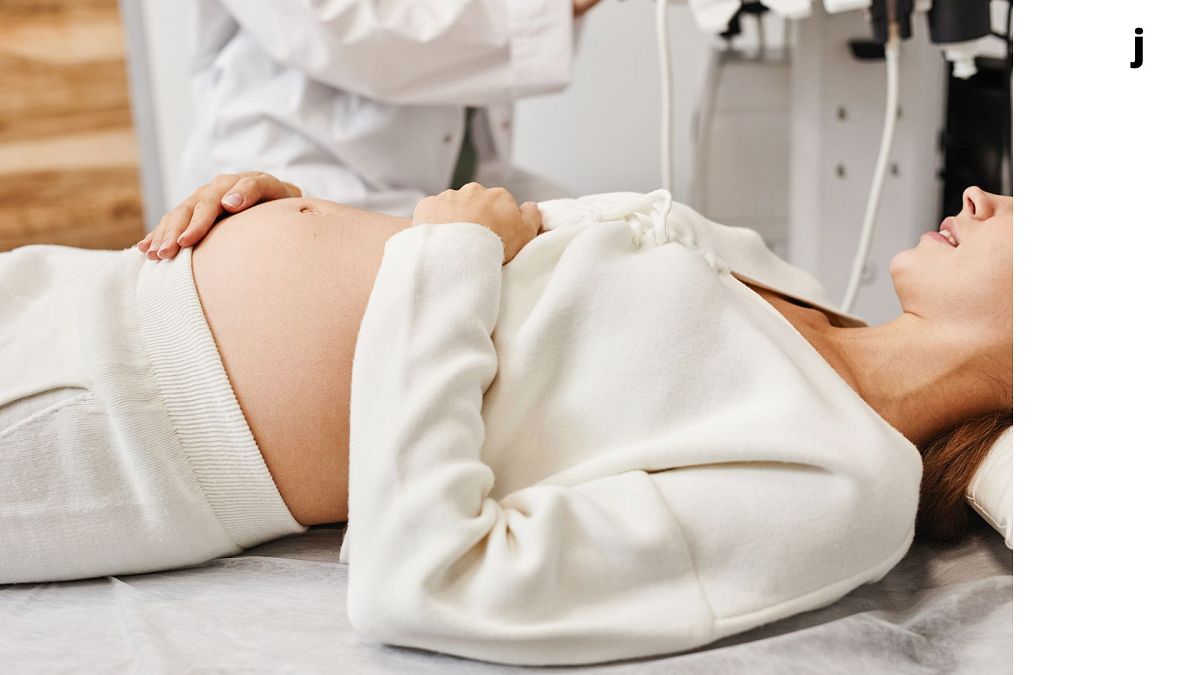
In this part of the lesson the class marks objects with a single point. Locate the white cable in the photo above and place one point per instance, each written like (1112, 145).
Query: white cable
(698, 195)
(761, 24)
(664, 76)
(891, 108)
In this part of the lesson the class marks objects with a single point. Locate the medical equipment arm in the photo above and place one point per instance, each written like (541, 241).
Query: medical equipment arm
(614, 566)
(468, 52)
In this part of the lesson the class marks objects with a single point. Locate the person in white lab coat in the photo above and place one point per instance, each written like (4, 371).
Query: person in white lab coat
(375, 104)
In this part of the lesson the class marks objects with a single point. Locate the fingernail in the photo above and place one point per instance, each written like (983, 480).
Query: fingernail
(179, 240)
(233, 200)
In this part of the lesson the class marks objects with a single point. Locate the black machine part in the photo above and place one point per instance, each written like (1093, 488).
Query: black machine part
(879, 19)
(959, 20)
(735, 22)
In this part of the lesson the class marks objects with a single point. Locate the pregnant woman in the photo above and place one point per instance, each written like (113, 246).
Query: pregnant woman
(603, 429)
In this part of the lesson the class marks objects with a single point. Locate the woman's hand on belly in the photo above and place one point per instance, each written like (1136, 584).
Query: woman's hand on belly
(494, 208)
(188, 223)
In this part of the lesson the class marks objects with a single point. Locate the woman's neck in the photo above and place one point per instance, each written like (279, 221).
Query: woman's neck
(919, 376)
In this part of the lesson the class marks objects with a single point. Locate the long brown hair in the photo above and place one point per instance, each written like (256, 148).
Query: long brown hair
(950, 461)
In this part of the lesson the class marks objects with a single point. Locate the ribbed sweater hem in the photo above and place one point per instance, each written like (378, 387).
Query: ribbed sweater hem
(203, 407)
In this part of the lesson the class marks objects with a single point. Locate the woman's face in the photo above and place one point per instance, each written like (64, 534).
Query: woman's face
(963, 272)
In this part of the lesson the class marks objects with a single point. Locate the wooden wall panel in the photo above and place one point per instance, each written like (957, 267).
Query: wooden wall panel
(68, 154)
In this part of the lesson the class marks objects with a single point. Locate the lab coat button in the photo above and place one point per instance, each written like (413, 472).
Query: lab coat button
(447, 138)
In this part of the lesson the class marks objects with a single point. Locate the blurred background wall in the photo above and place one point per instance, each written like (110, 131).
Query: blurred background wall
(68, 152)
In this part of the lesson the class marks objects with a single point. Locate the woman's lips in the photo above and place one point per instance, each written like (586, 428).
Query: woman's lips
(937, 236)
(946, 233)
(948, 226)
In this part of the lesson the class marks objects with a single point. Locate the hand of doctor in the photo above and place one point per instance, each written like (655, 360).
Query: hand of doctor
(186, 224)
(494, 208)
(582, 6)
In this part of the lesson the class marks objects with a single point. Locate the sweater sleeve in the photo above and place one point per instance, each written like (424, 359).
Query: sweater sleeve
(622, 566)
(468, 52)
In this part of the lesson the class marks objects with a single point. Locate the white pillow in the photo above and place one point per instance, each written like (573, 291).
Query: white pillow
(990, 491)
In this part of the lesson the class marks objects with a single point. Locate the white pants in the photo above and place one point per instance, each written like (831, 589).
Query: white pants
(122, 445)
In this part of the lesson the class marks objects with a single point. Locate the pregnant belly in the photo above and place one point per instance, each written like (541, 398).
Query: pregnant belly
(284, 286)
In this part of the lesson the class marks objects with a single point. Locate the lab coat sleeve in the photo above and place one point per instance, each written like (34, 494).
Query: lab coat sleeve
(467, 52)
(558, 574)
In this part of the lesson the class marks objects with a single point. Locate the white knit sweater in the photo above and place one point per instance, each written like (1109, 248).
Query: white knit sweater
(609, 447)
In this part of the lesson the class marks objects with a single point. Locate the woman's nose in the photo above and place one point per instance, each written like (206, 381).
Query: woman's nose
(978, 204)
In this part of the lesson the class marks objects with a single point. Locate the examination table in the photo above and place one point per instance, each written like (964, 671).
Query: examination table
(280, 607)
